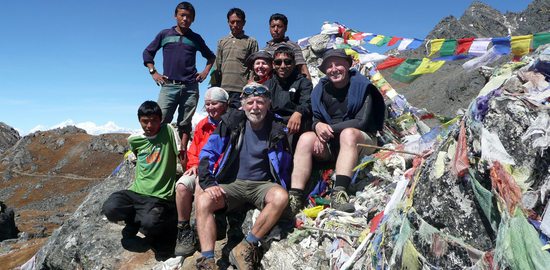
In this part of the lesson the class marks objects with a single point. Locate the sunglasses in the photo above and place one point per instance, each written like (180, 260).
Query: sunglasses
(256, 90)
(287, 61)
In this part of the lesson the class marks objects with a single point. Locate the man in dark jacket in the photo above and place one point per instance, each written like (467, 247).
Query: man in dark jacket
(347, 110)
(245, 161)
(291, 94)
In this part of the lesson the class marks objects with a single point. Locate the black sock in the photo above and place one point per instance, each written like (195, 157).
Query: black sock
(342, 182)
(184, 225)
(296, 191)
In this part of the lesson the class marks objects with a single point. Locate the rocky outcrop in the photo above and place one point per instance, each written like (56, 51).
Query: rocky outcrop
(8, 137)
(7, 223)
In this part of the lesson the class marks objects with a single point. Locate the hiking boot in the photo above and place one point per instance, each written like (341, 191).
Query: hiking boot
(185, 242)
(244, 256)
(206, 264)
(340, 201)
(295, 203)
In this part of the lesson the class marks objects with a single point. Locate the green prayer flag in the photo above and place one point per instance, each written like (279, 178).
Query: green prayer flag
(384, 41)
(540, 39)
(448, 47)
(407, 67)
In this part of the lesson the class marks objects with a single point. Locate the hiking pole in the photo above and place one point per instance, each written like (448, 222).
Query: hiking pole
(388, 149)
(359, 249)
(328, 231)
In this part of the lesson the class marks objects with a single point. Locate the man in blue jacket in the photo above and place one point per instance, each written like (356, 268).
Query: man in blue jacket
(245, 161)
(347, 110)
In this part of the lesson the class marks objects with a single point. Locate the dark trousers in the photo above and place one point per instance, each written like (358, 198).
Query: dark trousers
(154, 216)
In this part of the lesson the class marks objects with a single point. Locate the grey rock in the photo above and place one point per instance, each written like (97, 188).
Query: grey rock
(8, 137)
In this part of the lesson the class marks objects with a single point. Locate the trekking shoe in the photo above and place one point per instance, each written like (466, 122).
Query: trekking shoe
(206, 264)
(340, 201)
(244, 256)
(185, 242)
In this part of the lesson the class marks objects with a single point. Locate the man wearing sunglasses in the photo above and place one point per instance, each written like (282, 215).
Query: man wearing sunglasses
(277, 28)
(253, 160)
(347, 110)
(291, 94)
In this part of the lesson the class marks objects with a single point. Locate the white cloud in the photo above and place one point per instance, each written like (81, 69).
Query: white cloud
(90, 127)
(109, 127)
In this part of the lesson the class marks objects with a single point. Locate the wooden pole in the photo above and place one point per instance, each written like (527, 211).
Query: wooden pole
(387, 149)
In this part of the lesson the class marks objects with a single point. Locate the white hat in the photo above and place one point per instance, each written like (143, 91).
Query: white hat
(216, 94)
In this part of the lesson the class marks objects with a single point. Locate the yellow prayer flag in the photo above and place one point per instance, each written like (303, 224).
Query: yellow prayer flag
(376, 39)
(435, 45)
(521, 44)
(427, 66)
(352, 53)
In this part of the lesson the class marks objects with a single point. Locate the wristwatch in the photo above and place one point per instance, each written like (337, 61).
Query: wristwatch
(152, 71)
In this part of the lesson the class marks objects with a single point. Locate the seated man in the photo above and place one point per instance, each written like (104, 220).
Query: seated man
(252, 155)
(215, 102)
(148, 206)
(347, 110)
(291, 94)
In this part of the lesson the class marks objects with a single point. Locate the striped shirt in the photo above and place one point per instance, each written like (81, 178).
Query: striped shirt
(231, 60)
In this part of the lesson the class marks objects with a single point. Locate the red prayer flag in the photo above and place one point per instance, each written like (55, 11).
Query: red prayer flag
(463, 45)
(394, 40)
(390, 62)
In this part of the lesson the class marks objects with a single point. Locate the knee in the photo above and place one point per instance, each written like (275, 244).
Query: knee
(305, 143)
(110, 210)
(183, 190)
(204, 203)
(279, 198)
(351, 137)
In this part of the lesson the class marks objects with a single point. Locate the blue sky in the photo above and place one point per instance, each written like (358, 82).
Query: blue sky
(81, 62)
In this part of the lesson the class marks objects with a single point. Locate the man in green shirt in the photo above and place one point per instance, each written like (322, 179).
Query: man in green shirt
(148, 206)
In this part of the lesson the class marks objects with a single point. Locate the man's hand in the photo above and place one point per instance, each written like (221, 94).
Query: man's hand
(294, 123)
(215, 192)
(192, 171)
(324, 132)
(159, 78)
(319, 148)
(201, 76)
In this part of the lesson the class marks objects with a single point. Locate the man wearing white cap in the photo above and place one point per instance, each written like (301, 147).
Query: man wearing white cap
(215, 103)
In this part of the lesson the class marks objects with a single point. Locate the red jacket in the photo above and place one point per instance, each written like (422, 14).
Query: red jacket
(202, 131)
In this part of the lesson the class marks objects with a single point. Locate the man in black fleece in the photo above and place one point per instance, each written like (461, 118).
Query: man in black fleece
(291, 94)
(347, 110)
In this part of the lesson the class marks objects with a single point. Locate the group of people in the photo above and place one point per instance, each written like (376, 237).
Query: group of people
(266, 126)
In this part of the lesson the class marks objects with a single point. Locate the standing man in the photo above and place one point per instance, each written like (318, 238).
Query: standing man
(291, 94)
(347, 109)
(180, 79)
(254, 161)
(148, 206)
(231, 72)
(277, 28)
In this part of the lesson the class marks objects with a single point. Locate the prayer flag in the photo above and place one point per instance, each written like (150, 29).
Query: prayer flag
(435, 45)
(463, 45)
(448, 47)
(428, 66)
(540, 39)
(521, 45)
(376, 39)
(383, 42)
(407, 67)
(390, 62)
(409, 44)
(394, 40)
(479, 46)
(359, 36)
(501, 45)
(368, 37)
(451, 57)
